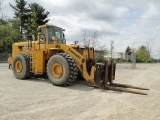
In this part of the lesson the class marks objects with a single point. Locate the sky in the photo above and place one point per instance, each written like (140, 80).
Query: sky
(126, 22)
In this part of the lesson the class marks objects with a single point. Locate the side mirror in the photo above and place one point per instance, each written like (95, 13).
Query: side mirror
(38, 29)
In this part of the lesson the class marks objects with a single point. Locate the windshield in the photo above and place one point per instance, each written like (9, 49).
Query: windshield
(43, 34)
(55, 31)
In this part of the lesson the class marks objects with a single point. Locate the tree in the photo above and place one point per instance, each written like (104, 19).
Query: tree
(30, 17)
(1, 4)
(32, 25)
(20, 9)
(15, 33)
(94, 39)
(21, 12)
(2, 15)
(84, 35)
(128, 50)
(41, 15)
(9, 34)
(142, 54)
(100, 50)
(128, 54)
(1, 1)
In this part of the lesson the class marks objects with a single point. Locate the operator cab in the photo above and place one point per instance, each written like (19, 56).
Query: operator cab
(53, 31)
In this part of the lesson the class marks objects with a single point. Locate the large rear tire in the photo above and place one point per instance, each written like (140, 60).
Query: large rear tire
(62, 69)
(21, 66)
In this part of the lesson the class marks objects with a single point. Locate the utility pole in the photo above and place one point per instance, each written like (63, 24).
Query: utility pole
(148, 51)
(112, 47)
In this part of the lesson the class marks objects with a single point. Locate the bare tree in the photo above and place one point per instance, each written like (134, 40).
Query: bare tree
(1, 1)
(100, 50)
(84, 35)
(90, 41)
(2, 15)
(94, 39)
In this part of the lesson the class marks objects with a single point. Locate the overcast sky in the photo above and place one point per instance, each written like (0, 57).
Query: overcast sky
(127, 22)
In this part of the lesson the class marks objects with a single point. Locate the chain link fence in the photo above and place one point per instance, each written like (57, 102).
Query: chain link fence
(4, 57)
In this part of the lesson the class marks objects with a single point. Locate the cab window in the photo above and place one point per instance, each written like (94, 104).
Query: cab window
(55, 31)
(43, 34)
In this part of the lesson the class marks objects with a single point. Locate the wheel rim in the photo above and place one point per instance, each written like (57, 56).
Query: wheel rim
(57, 70)
(18, 66)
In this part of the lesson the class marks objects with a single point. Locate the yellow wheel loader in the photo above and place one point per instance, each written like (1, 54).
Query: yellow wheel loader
(50, 54)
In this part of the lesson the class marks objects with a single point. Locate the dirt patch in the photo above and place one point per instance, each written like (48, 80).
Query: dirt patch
(37, 98)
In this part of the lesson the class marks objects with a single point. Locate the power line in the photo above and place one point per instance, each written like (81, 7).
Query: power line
(103, 17)
(156, 1)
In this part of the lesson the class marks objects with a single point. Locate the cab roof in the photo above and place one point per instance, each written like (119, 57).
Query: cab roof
(47, 25)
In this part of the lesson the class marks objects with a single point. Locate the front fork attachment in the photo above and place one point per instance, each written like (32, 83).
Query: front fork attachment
(104, 76)
(105, 73)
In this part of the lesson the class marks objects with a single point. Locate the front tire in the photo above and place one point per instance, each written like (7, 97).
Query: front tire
(21, 66)
(61, 69)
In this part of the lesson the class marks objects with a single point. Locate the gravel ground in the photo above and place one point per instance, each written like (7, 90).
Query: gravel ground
(38, 99)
